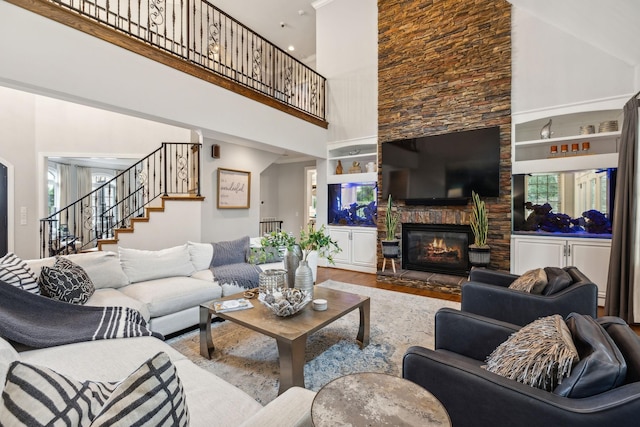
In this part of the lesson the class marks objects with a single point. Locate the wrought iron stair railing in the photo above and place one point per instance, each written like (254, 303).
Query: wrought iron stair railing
(198, 32)
(173, 169)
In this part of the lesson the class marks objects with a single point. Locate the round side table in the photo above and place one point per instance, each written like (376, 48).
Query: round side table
(374, 399)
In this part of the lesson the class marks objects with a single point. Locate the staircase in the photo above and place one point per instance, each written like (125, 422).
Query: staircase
(101, 218)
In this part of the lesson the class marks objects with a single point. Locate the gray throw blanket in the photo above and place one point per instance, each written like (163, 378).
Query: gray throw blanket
(242, 274)
(37, 321)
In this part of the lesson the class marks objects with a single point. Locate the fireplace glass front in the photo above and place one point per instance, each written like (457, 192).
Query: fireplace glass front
(436, 248)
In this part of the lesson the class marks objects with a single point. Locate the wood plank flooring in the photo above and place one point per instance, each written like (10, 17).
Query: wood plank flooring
(369, 279)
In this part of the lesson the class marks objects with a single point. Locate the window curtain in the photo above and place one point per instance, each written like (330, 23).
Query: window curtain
(62, 196)
(622, 297)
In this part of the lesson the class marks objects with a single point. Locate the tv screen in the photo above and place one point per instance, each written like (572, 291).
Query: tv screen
(442, 169)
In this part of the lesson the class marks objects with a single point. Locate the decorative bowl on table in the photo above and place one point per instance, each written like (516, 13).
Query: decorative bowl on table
(285, 302)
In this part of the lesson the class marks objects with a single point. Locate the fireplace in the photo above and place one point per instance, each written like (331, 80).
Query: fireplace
(438, 248)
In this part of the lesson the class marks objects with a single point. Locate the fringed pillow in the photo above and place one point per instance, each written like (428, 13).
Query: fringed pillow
(540, 354)
(532, 281)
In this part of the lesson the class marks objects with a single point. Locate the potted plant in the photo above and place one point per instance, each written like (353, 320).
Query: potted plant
(313, 241)
(390, 245)
(479, 251)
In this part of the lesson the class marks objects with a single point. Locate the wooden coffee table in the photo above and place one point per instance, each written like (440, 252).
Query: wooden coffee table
(290, 333)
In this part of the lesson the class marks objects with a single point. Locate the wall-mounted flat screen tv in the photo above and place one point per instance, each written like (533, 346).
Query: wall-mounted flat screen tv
(442, 169)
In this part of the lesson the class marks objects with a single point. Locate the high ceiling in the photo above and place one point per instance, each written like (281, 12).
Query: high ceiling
(607, 25)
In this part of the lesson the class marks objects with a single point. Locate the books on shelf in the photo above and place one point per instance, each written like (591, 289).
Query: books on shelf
(232, 305)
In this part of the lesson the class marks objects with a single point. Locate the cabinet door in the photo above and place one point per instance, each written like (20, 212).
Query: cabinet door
(363, 247)
(342, 238)
(536, 253)
(592, 258)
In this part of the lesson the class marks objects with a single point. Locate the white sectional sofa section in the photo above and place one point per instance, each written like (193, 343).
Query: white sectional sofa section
(165, 286)
(211, 401)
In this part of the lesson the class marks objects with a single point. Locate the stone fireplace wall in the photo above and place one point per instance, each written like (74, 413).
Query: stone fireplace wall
(445, 66)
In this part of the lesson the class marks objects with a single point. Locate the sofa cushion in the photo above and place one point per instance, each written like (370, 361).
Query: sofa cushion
(140, 265)
(201, 255)
(532, 281)
(103, 268)
(170, 295)
(66, 281)
(150, 396)
(230, 252)
(627, 342)
(8, 354)
(557, 279)
(601, 366)
(16, 272)
(108, 297)
(540, 354)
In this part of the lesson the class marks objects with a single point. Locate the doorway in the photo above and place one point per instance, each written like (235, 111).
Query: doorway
(310, 196)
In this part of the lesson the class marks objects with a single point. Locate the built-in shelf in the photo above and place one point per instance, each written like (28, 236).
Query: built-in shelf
(363, 151)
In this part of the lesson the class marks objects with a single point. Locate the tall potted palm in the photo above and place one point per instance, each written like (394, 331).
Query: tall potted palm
(479, 251)
(390, 245)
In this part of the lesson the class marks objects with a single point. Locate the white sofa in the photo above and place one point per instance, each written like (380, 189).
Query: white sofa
(210, 400)
(166, 286)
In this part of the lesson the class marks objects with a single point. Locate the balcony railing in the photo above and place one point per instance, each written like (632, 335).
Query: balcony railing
(173, 169)
(201, 34)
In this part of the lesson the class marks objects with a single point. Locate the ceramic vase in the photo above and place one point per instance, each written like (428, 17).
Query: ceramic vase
(291, 261)
(304, 278)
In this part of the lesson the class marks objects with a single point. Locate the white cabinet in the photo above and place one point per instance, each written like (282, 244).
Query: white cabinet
(363, 151)
(358, 246)
(589, 255)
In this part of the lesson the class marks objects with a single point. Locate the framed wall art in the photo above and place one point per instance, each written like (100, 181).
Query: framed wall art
(234, 189)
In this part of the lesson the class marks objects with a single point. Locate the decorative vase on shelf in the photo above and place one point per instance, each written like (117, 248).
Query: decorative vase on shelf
(291, 261)
(339, 168)
(304, 278)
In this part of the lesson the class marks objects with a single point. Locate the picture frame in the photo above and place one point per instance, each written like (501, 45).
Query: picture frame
(234, 189)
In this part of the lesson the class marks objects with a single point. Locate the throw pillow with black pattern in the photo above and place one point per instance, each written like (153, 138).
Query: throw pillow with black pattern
(66, 281)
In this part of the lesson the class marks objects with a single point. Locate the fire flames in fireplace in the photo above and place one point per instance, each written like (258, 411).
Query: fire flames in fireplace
(438, 251)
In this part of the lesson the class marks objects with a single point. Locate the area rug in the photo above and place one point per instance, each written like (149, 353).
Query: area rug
(249, 360)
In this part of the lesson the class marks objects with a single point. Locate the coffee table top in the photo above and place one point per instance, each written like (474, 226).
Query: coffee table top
(260, 318)
(375, 399)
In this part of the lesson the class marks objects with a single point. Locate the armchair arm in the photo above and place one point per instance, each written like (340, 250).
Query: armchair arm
(521, 308)
(498, 278)
(475, 397)
(469, 334)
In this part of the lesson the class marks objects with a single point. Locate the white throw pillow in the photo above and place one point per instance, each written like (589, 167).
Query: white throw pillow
(103, 268)
(8, 354)
(201, 254)
(141, 265)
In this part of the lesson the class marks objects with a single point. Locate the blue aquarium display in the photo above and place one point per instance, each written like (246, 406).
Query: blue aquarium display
(353, 204)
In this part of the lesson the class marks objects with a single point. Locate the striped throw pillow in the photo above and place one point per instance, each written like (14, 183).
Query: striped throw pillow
(151, 396)
(16, 272)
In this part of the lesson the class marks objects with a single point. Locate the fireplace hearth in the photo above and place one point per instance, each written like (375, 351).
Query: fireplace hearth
(438, 248)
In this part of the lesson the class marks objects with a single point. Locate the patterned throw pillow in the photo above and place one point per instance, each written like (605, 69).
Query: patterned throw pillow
(16, 272)
(231, 252)
(66, 281)
(39, 396)
(151, 396)
(532, 281)
(540, 354)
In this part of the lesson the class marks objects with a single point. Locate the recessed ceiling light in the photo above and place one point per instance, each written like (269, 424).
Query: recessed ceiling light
(291, 48)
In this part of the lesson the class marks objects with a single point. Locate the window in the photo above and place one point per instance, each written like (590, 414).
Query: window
(52, 189)
(544, 188)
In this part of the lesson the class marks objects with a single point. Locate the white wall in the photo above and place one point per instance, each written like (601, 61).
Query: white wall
(552, 67)
(228, 224)
(347, 55)
(33, 127)
(42, 56)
